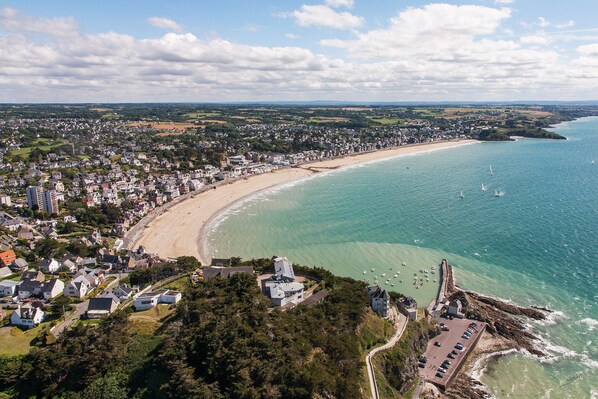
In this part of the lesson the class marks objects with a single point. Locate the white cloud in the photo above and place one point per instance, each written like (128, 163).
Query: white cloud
(534, 40)
(325, 17)
(566, 24)
(165, 23)
(340, 3)
(292, 36)
(436, 52)
(504, 1)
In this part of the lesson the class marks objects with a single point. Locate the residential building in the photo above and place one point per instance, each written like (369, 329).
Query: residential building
(380, 300)
(5, 200)
(50, 201)
(211, 272)
(78, 287)
(123, 292)
(284, 268)
(30, 288)
(9, 288)
(34, 197)
(49, 265)
(151, 299)
(27, 316)
(33, 275)
(7, 257)
(51, 289)
(5, 271)
(281, 288)
(101, 307)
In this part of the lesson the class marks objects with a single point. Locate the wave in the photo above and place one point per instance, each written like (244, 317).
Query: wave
(592, 324)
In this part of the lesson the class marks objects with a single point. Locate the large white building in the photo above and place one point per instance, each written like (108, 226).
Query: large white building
(282, 287)
(151, 299)
(50, 201)
(43, 200)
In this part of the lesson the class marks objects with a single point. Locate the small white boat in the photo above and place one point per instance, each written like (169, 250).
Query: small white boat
(461, 195)
(433, 272)
(417, 287)
(593, 162)
(404, 264)
(498, 193)
(415, 274)
(364, 272)
(491, 171)
(383, 274)
(484, 188)
(372, 269)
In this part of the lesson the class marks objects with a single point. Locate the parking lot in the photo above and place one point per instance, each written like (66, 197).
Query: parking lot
(447, 340)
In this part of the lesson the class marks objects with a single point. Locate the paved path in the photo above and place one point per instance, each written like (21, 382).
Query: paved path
(400, 324)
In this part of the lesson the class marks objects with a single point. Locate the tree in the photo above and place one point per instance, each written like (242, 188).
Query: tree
(187, 263)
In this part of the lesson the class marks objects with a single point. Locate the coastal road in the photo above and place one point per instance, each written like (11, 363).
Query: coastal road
(400, 322)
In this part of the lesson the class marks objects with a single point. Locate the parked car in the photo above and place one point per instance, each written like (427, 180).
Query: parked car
(423, 359)
(459, 346)
(437, 343)
(451, 356)
(465, 336)
(441, 370)
(454, 352)
(439, 375)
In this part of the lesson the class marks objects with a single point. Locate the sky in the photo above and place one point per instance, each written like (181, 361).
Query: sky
(310, 50)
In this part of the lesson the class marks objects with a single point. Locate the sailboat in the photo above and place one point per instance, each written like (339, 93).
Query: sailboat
(498, 193)
(462, 196)
(491, 171)
(484, 188)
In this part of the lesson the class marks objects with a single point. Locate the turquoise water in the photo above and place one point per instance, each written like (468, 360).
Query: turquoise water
(536, 245)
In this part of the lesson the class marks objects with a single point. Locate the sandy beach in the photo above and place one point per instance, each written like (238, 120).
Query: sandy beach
(179, 229)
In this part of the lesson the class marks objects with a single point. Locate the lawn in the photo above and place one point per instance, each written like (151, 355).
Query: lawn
(202, 114)
(27, 150)
(178, 285)
(17, 342)
(386, 121)
(155, 314)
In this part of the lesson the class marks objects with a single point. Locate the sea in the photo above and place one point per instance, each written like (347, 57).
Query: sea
(389, 221)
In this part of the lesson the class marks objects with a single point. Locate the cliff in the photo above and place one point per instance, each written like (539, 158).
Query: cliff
(397, 367)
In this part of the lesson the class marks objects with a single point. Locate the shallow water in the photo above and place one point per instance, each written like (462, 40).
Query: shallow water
(537, 244)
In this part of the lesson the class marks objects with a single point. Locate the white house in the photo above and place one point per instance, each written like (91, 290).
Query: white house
(77, 287)
(9, 288)
(380, 300)
(123, 292)
(49, 265)
(5, 271)
(454, 308)
(27, 316)
(51, 289)
(284, 268)
(151, 299)
(282, 287)
(283, 293)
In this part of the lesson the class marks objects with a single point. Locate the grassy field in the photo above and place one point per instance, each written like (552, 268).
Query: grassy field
(196, 115)
(17, 342)
(386, 121)
(178, 285)
(154, 314)
(27, 150)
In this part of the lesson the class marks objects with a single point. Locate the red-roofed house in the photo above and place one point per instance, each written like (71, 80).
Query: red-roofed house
(8, 257)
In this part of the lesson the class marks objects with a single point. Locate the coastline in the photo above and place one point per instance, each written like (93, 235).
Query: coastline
(179, 228)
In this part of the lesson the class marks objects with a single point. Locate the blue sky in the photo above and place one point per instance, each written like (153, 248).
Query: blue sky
(357, 50)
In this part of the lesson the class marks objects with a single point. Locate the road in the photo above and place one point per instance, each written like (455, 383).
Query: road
(400, 324)
(80, 309)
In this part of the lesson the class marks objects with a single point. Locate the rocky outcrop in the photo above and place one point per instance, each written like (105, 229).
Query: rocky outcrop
(500, 318)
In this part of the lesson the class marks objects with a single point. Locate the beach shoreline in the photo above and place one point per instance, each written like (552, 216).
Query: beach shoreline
(179, 227)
